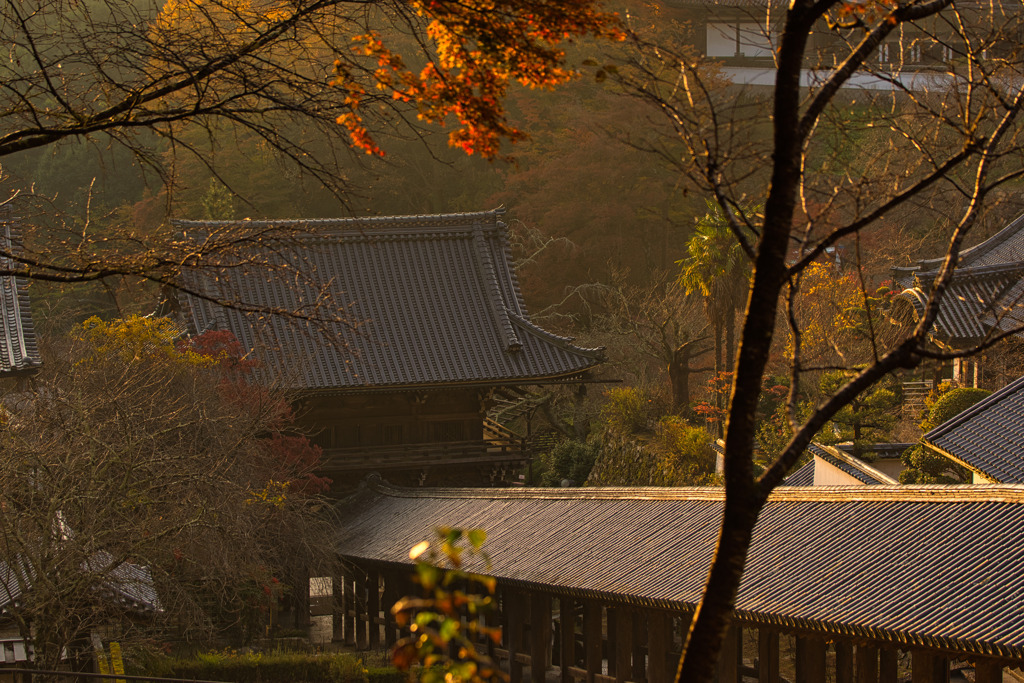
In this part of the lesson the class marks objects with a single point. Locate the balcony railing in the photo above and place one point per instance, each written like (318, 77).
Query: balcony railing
(423, 454)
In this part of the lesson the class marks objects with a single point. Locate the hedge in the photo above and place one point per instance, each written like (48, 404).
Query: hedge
(276, 667)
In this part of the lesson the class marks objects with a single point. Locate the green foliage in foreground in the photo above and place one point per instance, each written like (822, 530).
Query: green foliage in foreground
(275, 667)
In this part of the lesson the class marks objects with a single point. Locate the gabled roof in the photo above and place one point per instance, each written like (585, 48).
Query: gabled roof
(19, 352)
(824, 559)
(428, 300)
(988, 437)
(985, 294)
(848, 463)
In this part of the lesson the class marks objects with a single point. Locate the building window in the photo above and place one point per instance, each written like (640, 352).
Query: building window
(392, 434)
(448, 430)
(737, 39)
(324, 438)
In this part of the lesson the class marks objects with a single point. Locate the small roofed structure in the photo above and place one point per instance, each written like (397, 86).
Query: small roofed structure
(984, 298)
(868, 571)
(415, 326)
(19, 350)
(123, 588)
(987, 438)
(838, 466)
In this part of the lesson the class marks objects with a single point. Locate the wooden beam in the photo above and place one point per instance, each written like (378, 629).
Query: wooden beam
(988, 671)
(928, 667)
(888, 665)
(768, 655)
(540, 635)
(867, 664)
(567, 637)
(728, 660)
(592, 638)
(659, 645)
(810, 659)
(844, 661)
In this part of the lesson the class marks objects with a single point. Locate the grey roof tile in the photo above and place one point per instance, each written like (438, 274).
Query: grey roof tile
(986, 291)
(827, 559)
(988, 437)
(804, 476)
(19, 351)
(434, 298)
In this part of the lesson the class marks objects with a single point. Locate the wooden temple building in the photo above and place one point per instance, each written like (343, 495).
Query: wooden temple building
(844, 584)
(985, 299)
(401, 334)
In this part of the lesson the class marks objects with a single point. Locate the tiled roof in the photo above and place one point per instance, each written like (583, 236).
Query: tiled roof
(127, 583)
(986, 291)
(870, 561)
(19, 352)
(435, 299)
(988, 437)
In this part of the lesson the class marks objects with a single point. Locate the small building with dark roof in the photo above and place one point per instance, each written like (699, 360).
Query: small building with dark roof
(985, 296)
(409, 328)
(611, 576)
(19, 350)
(987, 438)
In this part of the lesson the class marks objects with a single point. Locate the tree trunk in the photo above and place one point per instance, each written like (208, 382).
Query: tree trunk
(679, 377)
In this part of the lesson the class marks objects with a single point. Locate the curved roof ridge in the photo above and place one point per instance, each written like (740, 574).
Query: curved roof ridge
(596, 352)
(981, 249)
(489, 277)
(926, 493)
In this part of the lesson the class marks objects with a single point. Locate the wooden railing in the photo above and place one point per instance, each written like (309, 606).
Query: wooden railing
(420, 454)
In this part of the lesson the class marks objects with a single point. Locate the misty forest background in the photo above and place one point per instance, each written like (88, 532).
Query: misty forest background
(600, 221)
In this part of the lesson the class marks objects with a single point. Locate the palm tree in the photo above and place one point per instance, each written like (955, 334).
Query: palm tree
(717, 268)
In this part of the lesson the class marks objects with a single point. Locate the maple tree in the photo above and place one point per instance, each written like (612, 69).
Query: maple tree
(146, 75)
(134, 451)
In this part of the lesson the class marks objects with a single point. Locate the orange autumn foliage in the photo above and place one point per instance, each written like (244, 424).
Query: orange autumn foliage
(479, 49)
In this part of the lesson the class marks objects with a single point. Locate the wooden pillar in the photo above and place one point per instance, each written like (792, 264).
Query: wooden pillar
(360, 604)
(622, 644)
(567, 637)
(888, 669)
(391, 596)
(728, 660)
(513, 604)
(810, 660)
(988, 671)
(844, 661)
(639, 648)
(338, 607)
(540, 635)
(867, 664)
(348, 590)
(928, 667)
(610, 615)
(373, 608)
(592, 638)
(768, 655)
(659, 645)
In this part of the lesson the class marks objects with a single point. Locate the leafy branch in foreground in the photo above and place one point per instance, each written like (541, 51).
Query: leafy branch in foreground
(447, 619)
